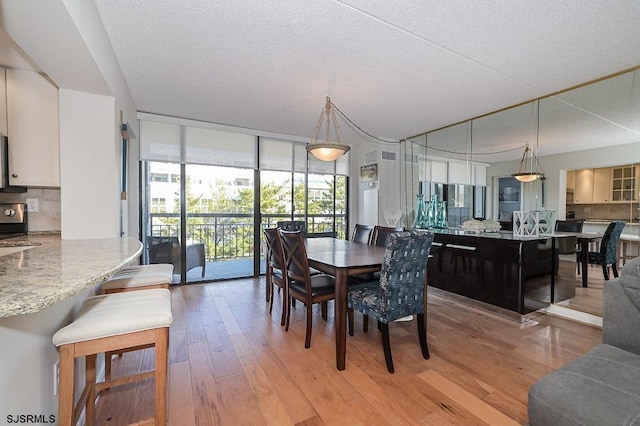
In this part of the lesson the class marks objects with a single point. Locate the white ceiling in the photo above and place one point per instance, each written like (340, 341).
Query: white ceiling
(396, 68)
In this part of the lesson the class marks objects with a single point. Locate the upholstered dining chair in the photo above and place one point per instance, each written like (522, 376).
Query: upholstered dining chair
(608, 254)
(275, 274)
(361, 233)
(307, 288)
(568, 245)
(380, 234)
(400, 291)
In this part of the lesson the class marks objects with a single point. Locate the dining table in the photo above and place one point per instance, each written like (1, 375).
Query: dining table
(341, 259)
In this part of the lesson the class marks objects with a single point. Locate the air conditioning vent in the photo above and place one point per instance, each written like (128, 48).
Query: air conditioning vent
(387, 155)
(371, 157)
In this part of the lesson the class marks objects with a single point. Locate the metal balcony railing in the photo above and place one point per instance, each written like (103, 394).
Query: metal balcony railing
(230, 235)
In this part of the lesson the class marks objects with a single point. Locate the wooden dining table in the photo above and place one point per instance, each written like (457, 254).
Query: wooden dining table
(583, 239)
(341, 259)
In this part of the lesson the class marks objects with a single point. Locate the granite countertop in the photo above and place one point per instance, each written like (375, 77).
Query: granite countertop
(54, 269)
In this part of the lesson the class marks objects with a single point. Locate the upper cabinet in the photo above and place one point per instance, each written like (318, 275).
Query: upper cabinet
(605, 185)
(32, 127)
(3, 102)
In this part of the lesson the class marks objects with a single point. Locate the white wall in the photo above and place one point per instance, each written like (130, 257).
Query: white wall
(89, 164)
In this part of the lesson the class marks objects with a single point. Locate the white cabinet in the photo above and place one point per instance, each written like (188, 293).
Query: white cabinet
(601, 185)
(32, 125)
(584, 187)
(571, 179)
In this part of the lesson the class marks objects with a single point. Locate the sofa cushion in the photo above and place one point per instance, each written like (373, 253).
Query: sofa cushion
(601, 387)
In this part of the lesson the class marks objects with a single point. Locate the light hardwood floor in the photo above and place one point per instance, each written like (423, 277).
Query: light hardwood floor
(231, 363)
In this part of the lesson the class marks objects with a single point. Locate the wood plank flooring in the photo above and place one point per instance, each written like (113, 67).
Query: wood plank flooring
(232, 364)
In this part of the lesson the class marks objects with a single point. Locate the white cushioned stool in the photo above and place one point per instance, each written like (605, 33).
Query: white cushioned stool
(139, 277)
(107, 323)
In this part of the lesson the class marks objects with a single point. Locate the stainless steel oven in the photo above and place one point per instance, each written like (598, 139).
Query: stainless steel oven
(13, 220)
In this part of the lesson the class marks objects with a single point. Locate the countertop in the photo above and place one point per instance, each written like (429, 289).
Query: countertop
(54, 269)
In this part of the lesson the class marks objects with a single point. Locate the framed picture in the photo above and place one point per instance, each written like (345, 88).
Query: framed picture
(369, 173)
(509, 194)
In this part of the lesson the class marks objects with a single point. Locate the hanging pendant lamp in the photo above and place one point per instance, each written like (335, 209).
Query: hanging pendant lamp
(528, 170)
(324, 148)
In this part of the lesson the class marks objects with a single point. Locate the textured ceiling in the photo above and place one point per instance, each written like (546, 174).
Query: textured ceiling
(396, 68)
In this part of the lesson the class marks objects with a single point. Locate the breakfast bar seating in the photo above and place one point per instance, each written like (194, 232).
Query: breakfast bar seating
(107, 323)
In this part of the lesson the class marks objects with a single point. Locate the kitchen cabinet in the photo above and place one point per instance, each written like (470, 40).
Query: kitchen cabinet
(624, 183)
(32, 126)
(583, 192)
(571, 179)
(601, 185)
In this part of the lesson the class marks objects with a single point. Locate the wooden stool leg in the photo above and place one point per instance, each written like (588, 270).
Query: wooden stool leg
(90, 382)
(162, 353)
(65, 395)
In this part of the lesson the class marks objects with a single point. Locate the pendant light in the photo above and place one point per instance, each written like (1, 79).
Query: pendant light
(528, 171)
(326, 149)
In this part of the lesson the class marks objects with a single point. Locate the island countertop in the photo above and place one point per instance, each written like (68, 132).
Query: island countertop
(52, 270)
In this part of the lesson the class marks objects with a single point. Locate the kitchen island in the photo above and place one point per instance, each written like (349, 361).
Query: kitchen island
(41, 289)
(52, 270)
(499, 268)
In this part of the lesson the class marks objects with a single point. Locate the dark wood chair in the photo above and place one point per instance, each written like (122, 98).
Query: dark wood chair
(361, 233)
(380, 234)
(275, 274)
(307, 288)
(400, 291)
(293, 225)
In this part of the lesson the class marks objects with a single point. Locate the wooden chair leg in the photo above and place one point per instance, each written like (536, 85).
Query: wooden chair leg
(107, 365)
(307, 337)
(162, 350)
(90, 383)
(323, 309)
(66, 391)
(365, 323)
(350, 321)
(422, 335)
(288, 314)
(271, 299)
(386, 345)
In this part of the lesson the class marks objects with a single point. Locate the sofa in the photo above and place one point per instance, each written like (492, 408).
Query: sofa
(601, 387)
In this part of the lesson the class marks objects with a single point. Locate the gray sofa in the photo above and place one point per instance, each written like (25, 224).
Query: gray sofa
(601, 387)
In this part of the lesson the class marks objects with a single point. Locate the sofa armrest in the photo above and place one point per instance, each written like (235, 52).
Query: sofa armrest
(621, 317)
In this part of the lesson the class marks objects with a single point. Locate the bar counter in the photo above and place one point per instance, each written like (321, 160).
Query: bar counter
(52, 270)
(499, 268)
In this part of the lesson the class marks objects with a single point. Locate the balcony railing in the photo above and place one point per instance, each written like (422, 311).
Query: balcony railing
(230, 235)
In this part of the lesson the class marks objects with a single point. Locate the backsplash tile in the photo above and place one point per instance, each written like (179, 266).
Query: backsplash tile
(611, 211)
(47, 218)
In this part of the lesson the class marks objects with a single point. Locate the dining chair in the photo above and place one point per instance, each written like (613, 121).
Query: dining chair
(361, 233)
(275, 274)
(568, 245)
(400, 291)
(301, 285)
(608, 254)
(293, 225)
(380, 234)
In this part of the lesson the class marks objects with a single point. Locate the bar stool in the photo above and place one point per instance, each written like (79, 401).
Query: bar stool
(113, 322)
(139, 277)
(134, 278)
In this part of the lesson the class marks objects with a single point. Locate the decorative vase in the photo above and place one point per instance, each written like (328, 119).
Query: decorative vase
(420, 212)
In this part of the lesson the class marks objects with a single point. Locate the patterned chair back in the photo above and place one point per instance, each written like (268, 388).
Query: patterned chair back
(609, 243)
(402, 277)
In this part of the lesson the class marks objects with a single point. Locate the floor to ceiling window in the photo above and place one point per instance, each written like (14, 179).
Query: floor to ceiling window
(206, 195)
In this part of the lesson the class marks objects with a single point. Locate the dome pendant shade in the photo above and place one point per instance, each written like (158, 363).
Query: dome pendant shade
(325, 149)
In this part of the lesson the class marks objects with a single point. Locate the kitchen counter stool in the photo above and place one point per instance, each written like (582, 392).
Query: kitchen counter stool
(107, 323)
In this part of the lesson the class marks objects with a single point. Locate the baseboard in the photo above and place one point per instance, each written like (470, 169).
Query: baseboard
(572, 314)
